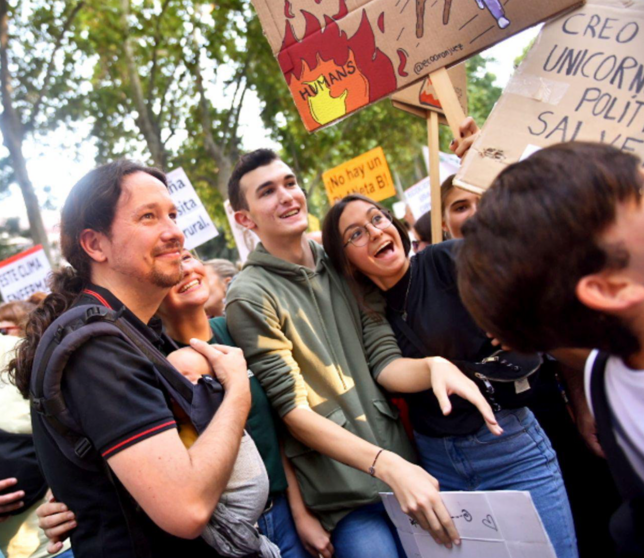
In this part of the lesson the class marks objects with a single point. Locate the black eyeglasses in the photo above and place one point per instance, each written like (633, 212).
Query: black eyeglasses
(360, 235)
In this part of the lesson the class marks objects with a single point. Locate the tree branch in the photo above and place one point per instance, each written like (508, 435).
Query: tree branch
(145, 121)
(50, 65)
(155, 51)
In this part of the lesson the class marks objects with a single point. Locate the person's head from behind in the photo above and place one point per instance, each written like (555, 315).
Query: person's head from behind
(220, 273)
(14, 316)
(423, 232)
(264, 193)
(365, 243)
(117, 229)
(457, 206)
(554, 256)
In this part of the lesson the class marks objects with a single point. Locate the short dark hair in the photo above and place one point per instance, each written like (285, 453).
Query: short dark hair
(423, 227)
(247, 163)
(334, 244)
(535, 235)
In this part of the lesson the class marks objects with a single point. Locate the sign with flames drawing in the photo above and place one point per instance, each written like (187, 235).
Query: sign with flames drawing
(420, 97)
(341, 55)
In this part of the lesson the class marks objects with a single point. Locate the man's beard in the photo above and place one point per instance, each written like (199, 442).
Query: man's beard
(165, 280)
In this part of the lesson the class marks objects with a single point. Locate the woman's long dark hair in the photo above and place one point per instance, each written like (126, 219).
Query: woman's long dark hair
(334, 245)
(91, 204)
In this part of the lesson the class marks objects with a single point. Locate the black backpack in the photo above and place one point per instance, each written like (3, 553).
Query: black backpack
(65, 335)
(627, 523)
(74, 328)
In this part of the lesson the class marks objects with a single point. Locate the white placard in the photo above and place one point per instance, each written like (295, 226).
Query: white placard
(449, 163)
(419, 198)
(529, 150)
(495, 524)
(246, 240)
(24, 274)
(193, 219)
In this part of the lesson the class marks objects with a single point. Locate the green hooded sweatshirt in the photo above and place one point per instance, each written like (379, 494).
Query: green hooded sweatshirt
(310, 345)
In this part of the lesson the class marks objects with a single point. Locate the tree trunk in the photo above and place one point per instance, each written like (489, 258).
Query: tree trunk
(12, 135)
(145, 120)
(216, 152)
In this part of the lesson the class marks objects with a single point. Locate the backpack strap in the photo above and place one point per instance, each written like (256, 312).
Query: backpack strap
(626, 523)
(629, 483)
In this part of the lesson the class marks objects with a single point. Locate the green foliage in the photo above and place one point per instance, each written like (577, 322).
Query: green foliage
(178, 45)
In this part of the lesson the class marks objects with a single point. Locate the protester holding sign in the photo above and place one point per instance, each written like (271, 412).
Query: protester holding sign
(314, 351)
(371, 249)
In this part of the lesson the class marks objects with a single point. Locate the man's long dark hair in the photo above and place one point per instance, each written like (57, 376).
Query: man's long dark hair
(91, 204)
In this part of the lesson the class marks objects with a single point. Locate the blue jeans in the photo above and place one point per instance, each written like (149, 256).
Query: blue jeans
(277, 524)
(520, 459)
(367, 532)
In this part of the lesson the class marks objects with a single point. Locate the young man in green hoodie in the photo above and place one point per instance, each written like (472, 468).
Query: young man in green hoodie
(316, 352)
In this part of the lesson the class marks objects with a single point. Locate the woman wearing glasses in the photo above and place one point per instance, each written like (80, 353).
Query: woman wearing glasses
(371, 250)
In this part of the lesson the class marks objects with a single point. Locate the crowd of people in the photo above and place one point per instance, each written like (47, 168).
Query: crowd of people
(186, 408)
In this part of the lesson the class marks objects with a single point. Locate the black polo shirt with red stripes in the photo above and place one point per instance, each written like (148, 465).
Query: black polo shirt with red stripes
(114, 394)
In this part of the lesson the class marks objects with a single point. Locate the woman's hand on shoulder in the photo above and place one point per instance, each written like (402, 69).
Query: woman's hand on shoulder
(12, 501)
(57, 522)
(448, 380)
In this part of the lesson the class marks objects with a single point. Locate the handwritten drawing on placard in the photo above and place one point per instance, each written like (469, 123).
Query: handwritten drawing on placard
(338, 56)
(192, 218)
(491, 524)
(24, 274)
(582, 80)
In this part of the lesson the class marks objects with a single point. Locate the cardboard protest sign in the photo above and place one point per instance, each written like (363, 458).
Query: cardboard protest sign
(418, 196)
(421, 97)
(244, 239)
(24, 274)
(583, 79)
(339, 56)
(367, 174)
(192, 219)
(494, 524)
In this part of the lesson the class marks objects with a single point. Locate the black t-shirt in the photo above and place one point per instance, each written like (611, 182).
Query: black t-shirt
(115, 397)
(437, 316)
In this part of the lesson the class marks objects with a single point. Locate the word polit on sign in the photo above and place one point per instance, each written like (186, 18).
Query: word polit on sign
(367, 174)
(192, 218)
(24, 274)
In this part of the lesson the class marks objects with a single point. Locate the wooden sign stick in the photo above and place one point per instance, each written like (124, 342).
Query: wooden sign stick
(434, 176)
(454, 115)
(448, 99)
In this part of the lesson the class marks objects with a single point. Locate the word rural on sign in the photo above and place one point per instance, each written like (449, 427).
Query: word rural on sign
(24, 274)
(582, 80)
(367, 174)
(193, 219)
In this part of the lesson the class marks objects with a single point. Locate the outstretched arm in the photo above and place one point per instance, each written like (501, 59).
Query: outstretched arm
(408, 375)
